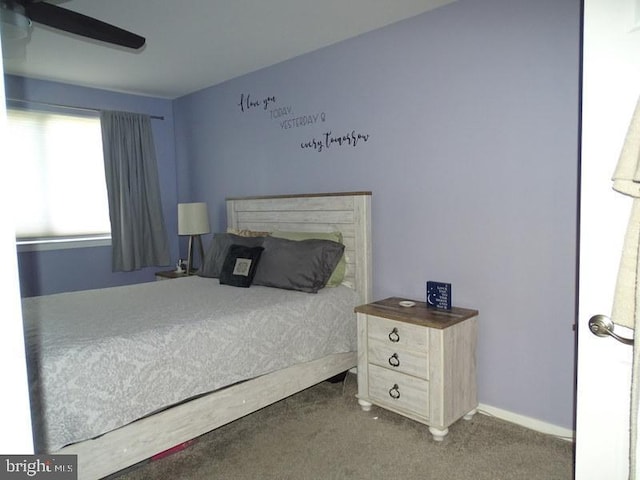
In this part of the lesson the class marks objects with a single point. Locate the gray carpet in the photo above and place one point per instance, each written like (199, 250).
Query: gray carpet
(321, 433)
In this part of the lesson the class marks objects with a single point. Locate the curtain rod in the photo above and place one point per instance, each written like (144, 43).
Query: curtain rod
(87, 109)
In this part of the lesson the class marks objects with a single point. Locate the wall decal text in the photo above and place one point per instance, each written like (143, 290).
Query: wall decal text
(246, 103)
(287, 119)
(280, 112)
(328, 139)
(302, 121)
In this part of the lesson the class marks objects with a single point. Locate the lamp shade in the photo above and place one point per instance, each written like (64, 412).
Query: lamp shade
(193, 218)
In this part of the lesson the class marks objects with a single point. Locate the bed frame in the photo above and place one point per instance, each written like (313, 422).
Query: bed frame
(349, 213)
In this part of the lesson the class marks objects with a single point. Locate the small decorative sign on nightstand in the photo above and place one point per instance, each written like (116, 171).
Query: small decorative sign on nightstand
(439, 295)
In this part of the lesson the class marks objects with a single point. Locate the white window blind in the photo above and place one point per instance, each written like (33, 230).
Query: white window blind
(58, 164)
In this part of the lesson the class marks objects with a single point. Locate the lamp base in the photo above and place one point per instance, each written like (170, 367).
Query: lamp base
(198, 239)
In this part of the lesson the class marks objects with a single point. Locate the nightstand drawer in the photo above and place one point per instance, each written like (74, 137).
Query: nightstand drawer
(399, 391)
(401, 334)
(388, 355)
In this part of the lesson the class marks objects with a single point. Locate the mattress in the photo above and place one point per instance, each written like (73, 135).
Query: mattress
(100, 359)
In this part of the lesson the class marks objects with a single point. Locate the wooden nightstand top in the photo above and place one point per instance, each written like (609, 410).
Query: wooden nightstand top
(419, 314)
(173, 274)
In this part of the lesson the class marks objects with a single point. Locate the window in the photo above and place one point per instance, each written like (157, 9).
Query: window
(58, 162)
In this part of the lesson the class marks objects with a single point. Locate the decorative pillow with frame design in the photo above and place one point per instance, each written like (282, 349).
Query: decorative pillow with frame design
(240, 265)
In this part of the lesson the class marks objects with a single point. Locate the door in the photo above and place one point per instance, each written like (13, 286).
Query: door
(15, 414)
(611, 86)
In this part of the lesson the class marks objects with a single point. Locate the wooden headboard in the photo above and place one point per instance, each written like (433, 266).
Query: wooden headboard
(345, 212)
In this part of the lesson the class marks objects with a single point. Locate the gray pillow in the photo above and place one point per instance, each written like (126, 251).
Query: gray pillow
(303, 265)
(217, 252)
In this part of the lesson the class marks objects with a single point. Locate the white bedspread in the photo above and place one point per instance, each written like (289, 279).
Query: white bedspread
(100, 359)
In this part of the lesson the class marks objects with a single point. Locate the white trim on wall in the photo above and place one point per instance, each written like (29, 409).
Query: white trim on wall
(521, 420)
(528, 422)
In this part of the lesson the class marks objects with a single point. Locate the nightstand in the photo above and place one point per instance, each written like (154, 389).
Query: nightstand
(418, 362)
(171, 274)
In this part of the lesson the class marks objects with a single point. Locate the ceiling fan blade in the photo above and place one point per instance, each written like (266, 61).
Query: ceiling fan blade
(73, 22)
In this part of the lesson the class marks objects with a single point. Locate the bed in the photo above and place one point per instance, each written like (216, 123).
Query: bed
(156, 400)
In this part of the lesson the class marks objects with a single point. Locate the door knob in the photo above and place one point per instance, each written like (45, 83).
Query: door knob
(602, 326)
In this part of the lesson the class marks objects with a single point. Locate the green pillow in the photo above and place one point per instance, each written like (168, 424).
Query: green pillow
(338, 273)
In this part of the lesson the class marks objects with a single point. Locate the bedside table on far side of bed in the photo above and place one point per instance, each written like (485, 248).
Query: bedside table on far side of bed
(171, 274)
(417, 361)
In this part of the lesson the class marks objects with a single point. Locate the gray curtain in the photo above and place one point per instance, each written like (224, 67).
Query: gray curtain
(138, 234)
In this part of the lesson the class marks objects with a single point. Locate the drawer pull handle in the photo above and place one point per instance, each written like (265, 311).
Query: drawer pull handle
(394, 392)
(393, 336)
(394, 361)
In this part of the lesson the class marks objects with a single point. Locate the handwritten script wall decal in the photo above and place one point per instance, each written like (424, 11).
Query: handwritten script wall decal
(328, 139)
(286, 118)
(246, 103)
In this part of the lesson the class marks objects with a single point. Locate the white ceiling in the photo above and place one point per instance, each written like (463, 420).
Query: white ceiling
(192, 44)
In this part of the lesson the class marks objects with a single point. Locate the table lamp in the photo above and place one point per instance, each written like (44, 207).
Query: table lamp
(193, 220)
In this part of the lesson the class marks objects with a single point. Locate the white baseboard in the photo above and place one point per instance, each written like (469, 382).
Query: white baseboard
(522, 420)
(528, 422)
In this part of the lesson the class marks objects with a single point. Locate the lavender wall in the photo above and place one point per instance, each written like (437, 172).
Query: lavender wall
(472, 114)
(47, 272)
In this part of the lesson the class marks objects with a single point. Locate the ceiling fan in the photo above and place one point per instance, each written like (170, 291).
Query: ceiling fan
(17, 15)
